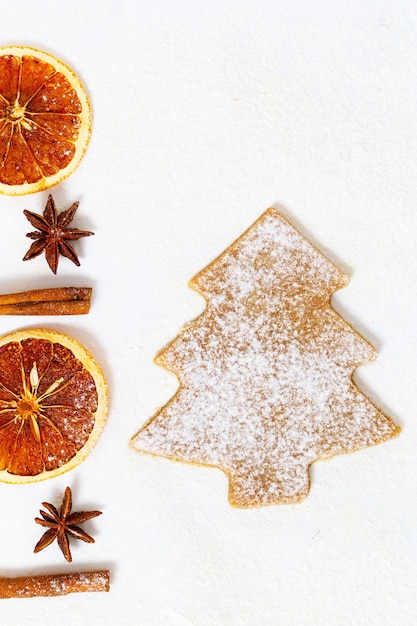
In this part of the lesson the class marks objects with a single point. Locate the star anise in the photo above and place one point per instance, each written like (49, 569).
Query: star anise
(53, 234)
(63, 524)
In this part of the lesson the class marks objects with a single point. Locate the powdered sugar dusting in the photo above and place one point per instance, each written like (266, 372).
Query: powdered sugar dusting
(266, 370)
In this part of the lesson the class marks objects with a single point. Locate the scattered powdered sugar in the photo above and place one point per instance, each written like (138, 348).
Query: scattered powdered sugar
(266, 371)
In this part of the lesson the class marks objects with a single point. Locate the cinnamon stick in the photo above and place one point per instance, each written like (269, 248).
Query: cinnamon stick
(54, 584)
(53, 301)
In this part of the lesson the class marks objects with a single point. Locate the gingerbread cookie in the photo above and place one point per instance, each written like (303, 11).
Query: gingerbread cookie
(266, 371)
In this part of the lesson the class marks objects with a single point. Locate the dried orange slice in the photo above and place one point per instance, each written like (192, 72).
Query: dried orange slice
(45, 120)
(53, 404)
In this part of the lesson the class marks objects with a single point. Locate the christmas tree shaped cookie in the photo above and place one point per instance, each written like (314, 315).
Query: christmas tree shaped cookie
(266, 371)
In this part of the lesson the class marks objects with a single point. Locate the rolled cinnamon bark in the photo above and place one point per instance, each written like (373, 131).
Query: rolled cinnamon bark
(54, 301)
(54, 584)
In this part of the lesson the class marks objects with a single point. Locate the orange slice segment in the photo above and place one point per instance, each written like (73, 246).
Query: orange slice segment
(53, 404)
(45, 120)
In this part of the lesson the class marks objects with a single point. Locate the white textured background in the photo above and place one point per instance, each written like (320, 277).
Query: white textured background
(205, 114)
